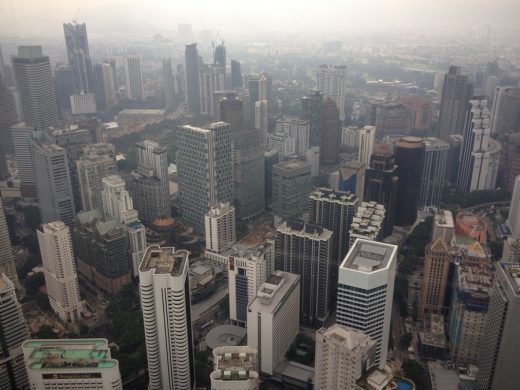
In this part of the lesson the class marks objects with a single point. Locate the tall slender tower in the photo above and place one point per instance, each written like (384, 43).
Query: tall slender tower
(192, 78)
(91, 170)
(212, 78)
(219, 56)
(7, 264)
(134, 77)
(59, 269)
(331, 81)
(505, 112)
(236, 74)
(367, 140)
(331, 135)
(312, 111)
(78, 53)
(165, 301)
(168, 84)
(8, 118)
(434, 172)
(106, 88)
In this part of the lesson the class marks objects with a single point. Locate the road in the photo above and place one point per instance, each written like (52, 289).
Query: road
(180, 111)
(398, 330)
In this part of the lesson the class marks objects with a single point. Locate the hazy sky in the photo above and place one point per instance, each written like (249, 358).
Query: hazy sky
(44, 17)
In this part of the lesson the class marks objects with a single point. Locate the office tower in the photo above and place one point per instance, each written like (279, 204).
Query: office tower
(331, 132)
(456, 92)
(71, 364)
(64, 81)
(392, 120)
(299, 130)
(168, 84)
(192, 78)
(434, 172)
(102, 253)
(312, 111)
(133, 77)
(509, 167)
(53, 181)
(421, 111)
(500, 349)
(118, 204)
(235, 367)
(7, 263)
(231, 110)
(443, 226)
(22, 134)
(306, 250)
(165, 301)
(331, 82)
(248, 270)
(291, 185)
(334, 210)
(236, 74)
(83, 104)
(34, 82)
(14, 333)
(350, 177)
(409, 157)
(106, 88)
(262, 119)
(150, 181)
(367, 140)
(219, 55)
(475, 169)
(265, 86)
(271, 158)
(272, 319)
(381, 183)
(8, 118)
(211, 78)
(365, 292)
(452, 164)
(468, 308)
(204, 166)
(505, 111)
(435, 279)
(312, 156)
(219, 223)
(368, 223)
(343, 355)
(91, 170)
(76, 43)
(59, 269)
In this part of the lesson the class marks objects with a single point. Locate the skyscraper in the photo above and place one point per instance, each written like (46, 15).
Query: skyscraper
(367, 141)
(192, 78)
(298, 129)
(220, 227)
(219, 55)
(76, 42)
(14, 333)
(59, 269)
(291, 186)
(7, 264)
(312, 111)
(509, 167)
(331, 81)
(392, 120)
(91, 170)
(331, 132)
(456, 92)
(133, 77)
(434, 172)
(306, 250)
(236, 74)
(22, 135)
(168, 84)
(262, 119)
(165, 301)
(365, 292)
(64, 81)
(106, 88)
(205, 170)
(500, 349)
(212, 78)
(34, 81)
(505, 112)
(8, 118)
(409, 157)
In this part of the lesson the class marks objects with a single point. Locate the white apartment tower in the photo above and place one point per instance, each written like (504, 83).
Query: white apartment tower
(367, 140)
(91, 171)
(220, 227)
(212, 78)
(59, 268)
(165, 301)
(235, 368)
(299, 130)
(365, 292)
(331, 81)
(133, 77)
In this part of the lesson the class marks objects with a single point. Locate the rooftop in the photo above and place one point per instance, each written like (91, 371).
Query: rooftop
(165, 260)
(352, 339)
(225, 336)
(292, 165)
(344, 197)
(308, 230)
(368, 256)
(444, 218)
(512, 272)
(273, 292)
(132, 111)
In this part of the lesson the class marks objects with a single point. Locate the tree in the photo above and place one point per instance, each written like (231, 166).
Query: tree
(203, 368)
(415, 371)
(84, 330)
(32, 217)
(487, 196)
(46, 332)
(406, 340)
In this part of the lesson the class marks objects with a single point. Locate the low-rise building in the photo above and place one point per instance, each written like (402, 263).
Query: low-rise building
(235, 368)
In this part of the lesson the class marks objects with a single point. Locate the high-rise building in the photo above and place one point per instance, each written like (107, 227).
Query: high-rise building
(456, 92)
(306, 250)
(331, 80)
(368, 223)
(64, 81)
(59, 269)
(500, 349)
(365, 292)
(512, 243)
(71, 364)
(236, 74)
(291, 186)
(204, 166)
(14, 333)
(106, 88)
(8, 118)
(475, 169)
(219, 55)
(505, 112)
(220, 227)
(133, 77)
(343, 355)
(392, 120)
(421, 111)
(381, 183)
(299, 130)
(273, 319)
(212, 78)
(165, 301)
(271, 158)
(91, 170)
(452, 164)
(22, 135)
(331, 132)
(34, 82)
(235, 367)
(509, 167)
(409, 157)
(231, 110)
(83, 104)
(434, 172)
(262, 119)
(76, 42)
(312, 111)
(7, 264)
(192, 78)
(350, 177)
(150, 181)
(53, 181)
(367, 140)
(435, 279)
(265, 87)
(168, 84)
(443, 226)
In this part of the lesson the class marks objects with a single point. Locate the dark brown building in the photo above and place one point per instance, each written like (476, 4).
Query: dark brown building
(331, 136)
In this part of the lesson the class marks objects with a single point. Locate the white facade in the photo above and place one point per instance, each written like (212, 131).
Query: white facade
(220, 227)
(297, 129)
(273, 319)
(443, 226)
(150, 155)
(21, 135)
(367, 223)
(312, 155)
(83, 104)
(367, 139)
(165, 302)
(134, 77)
(59, 268)
(331, 81)
(365, 291)
(350, 137)
(212, 78)
(71, 364)
(262, 119)
(235, 368)
(284, 143)
(91, 170)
